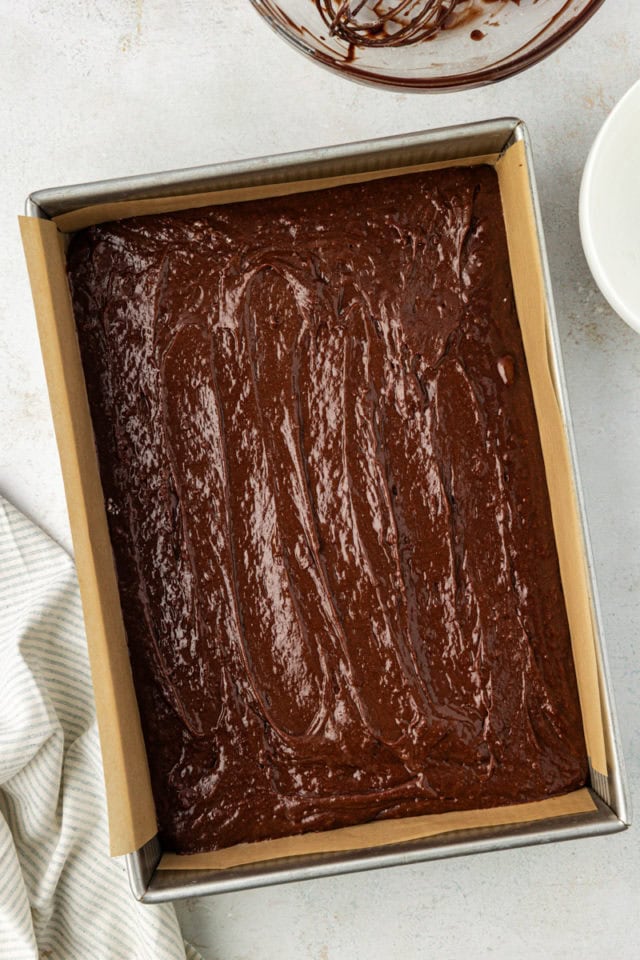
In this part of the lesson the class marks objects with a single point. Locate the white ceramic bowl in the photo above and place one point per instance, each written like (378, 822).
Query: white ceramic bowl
(610, 208)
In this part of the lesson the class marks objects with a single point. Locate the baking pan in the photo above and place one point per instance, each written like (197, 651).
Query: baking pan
(439, 147)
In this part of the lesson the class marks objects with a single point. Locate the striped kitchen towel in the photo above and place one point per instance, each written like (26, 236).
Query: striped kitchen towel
(61, 896)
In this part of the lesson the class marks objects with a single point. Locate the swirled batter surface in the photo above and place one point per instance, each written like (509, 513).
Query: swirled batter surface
(328, 508)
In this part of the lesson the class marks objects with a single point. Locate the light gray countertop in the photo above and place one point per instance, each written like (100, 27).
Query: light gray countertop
(114, 87)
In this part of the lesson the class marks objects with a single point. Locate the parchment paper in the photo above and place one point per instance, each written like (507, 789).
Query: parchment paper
(131, 810)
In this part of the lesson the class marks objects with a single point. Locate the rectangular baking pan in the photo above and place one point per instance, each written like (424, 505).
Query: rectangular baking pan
(450, 144)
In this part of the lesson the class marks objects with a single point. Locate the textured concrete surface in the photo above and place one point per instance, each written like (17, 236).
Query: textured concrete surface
(112, 87)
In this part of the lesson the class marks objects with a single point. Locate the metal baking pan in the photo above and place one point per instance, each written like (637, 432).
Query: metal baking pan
(448, 144)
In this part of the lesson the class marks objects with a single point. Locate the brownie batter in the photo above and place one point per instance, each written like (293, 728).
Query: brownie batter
(328, 508)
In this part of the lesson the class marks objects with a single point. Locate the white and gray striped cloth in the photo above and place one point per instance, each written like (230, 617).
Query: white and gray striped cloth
(61, 896)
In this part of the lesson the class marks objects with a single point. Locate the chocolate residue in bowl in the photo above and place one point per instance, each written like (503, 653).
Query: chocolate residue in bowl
(361, 23)
(530, 31)
(385, 24)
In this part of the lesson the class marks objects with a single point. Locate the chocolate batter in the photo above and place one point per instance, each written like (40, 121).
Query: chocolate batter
(328, 508)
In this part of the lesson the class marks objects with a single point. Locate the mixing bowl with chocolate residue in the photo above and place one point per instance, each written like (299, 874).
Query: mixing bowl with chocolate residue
(473, 42)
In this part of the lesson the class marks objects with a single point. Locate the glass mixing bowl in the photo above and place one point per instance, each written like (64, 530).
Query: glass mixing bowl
(484, 41)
